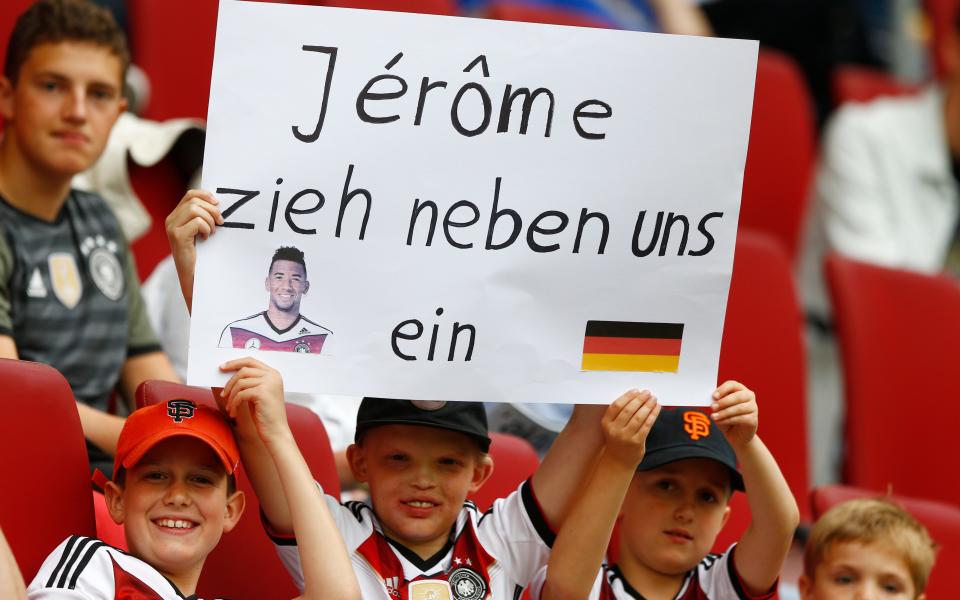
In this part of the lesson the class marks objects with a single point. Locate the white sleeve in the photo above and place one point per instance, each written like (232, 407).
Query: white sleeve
(75, 569)
(719, 578)
(516, 533)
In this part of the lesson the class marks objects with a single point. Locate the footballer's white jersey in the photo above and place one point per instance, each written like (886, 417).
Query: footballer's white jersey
(490, 556)
(258, 333)
(86, 568)
(715, 578)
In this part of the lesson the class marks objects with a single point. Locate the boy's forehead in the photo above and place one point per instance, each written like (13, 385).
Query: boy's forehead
(183, 450)
(75, 60)
(699, 470)
(419, 436)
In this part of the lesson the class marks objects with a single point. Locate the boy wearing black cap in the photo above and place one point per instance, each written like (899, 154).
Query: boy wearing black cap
(419, 538)
(674, 487)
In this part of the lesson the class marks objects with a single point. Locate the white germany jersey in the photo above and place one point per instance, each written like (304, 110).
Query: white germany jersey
(715, 578)
(258, 333)
(490, 556)
(87, 568)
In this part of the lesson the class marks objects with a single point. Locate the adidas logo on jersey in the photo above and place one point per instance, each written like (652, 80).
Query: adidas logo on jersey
(303, 331)
(391, 583)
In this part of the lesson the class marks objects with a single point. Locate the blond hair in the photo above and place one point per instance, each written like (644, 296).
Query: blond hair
(868, 521)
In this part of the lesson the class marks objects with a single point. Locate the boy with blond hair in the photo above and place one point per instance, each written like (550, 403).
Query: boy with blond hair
(866, 548)
(174, 492)
(673, 486)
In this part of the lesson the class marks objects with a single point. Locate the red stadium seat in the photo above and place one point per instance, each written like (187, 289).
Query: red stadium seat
(514, 460)
(433, 7)
(530, 13)
(780, 157)
(898, 333)
(941, 520)
(172, 41)
(763, 349)
(941, 15)
(46, 473)
(855, 83)
(245, 564)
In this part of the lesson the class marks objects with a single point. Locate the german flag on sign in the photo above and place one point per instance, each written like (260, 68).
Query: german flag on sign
(626, 346)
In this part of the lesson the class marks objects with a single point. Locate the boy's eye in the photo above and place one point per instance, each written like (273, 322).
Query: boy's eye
(892, 587)
(708, 497)
(843, 579)
(202, 479)
(449, 462)
(50, 85)
(155, 475)
(398, 457)
(665, 485)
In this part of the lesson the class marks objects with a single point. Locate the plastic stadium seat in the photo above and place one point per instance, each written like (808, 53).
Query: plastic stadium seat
(532, 13)
(514, 460)
(172, 41)
(898, 333)
(433, 7)
(763, 349)
(941, 520)
(46, 473)
(940, 14)
(855, 83)
(780, 156)
(245, 564)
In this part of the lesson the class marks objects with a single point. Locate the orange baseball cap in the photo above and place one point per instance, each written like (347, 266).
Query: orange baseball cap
(150, 425)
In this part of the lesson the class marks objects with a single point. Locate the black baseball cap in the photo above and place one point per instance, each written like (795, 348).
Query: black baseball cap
(680, 433)
(468, 418)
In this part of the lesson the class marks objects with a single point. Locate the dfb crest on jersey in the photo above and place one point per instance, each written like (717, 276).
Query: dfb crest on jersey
(178, 410)
(467, 584)
(104, 266)
(302, 348)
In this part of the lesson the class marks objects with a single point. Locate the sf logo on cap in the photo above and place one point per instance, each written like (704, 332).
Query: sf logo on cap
(696, 424)
(178, 410)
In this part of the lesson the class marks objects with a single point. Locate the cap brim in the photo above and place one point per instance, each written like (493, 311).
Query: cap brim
(138, 451)
(665, 456)
(482, 441)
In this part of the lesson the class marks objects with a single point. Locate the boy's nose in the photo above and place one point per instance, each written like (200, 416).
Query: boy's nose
(75, 108)
(177, 494)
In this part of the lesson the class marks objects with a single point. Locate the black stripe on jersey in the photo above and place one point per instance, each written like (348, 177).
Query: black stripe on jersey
(84, 542)
(534, 513)
(84, 562)
(517, 592)
(63, 558)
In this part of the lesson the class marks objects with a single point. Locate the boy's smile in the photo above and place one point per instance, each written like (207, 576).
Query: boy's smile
(174, 507)
(419, 478)
(672, 515)
(62, 106)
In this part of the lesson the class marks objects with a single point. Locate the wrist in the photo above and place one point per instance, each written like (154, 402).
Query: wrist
(612, 461)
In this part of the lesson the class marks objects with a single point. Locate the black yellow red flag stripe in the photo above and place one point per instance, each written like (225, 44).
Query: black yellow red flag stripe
(632, 346)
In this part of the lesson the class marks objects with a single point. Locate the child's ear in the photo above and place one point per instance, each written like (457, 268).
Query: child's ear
(6, 99)
(235, 505)
(481, 473)
(113, 494)
(922, 597)
(358, 462)
(726, 516)
(805, 586)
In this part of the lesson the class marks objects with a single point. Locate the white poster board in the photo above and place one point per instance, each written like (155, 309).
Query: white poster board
(487, 210)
